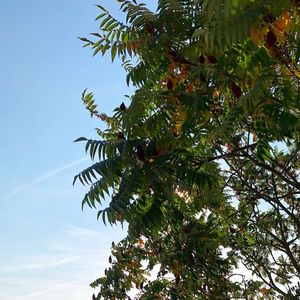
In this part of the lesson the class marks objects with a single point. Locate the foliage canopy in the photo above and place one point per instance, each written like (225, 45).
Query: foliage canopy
(203, 164)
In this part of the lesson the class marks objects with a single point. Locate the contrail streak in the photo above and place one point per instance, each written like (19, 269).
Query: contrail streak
(45, 177)
(56, 287)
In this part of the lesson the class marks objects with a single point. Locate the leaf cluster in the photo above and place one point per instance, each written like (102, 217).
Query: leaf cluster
(203, 165)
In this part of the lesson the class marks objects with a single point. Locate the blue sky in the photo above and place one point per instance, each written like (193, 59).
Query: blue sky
(50, 249)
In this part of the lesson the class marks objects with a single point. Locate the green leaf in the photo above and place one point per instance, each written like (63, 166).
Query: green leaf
(113, 52)
(80, 139)
(101, 7)
(100, 16)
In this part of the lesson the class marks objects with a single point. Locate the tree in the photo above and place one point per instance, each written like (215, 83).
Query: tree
(203, 164)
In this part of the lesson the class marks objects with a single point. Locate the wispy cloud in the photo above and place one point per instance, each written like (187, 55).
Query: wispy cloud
(82, 232)
(64, 286)
(64, 272)
(40, 265)
(21, 188)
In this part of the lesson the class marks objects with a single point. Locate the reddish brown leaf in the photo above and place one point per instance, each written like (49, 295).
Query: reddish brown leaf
(149, 28)
(212, 59)
(170, 85)
(122, 106)
(236, 91)
(271, 40)
(254, 137)
(121, 136)
(140, 153)
(175, 132)
(201, 59)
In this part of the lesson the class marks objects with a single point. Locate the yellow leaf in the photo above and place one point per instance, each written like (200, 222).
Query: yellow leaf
(189, 88)
(184, 72)
(283, 23)
(257, 35)
(216, 94)
(141, 243)
(295, 72)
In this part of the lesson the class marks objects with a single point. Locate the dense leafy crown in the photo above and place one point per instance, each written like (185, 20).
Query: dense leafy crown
(203, 164)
